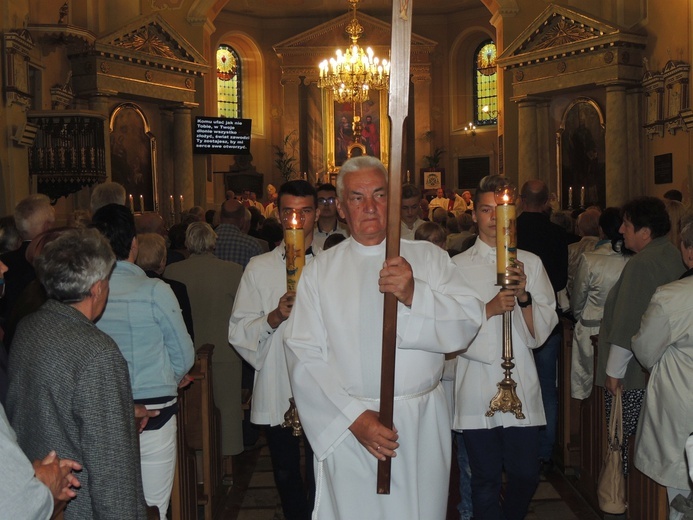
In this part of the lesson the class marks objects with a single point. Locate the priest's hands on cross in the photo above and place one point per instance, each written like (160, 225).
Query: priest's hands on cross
(381, 442)
(397, 277)
(281, 313)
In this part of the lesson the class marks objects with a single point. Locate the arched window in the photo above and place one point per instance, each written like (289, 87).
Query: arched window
(228, 82)
(485, 98)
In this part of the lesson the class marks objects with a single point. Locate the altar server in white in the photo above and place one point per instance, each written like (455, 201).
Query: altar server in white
(255, 330)
(502, 441)
(334, 358)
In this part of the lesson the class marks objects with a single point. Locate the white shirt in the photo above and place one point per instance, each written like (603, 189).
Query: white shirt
(262, 285)
(479, 367)
(334, 339)
(408, 233)
(319, 236)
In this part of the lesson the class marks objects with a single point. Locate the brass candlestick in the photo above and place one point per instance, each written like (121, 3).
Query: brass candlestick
(506, 399)
(294, 243)
(291, 419)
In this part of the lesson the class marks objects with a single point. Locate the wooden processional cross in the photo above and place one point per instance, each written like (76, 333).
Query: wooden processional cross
(398, 106)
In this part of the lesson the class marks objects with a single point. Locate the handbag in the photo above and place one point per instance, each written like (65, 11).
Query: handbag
(611, 486)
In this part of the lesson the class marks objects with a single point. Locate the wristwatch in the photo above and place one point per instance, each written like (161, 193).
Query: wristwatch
(527, 303)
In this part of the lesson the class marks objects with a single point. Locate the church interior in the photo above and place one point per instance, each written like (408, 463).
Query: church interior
(589, 96)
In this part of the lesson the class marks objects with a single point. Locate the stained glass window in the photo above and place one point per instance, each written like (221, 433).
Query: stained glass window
(228, 82)
(485, 93)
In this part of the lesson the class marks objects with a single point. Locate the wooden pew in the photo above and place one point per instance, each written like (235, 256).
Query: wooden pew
(201, 422)
(568, 431)
(647, 500)
(184, 495)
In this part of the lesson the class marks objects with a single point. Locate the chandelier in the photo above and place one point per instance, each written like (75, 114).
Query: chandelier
(352, 74)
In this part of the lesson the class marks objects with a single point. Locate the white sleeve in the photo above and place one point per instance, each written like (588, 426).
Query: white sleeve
(617, 363)
(249, 333)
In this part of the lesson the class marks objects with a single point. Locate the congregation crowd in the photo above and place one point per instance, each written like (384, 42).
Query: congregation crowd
(101, 319)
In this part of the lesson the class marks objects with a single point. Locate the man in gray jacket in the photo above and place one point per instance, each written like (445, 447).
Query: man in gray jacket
(69, 384)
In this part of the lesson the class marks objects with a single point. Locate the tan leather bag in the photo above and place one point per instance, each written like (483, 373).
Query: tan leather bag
(611, 487)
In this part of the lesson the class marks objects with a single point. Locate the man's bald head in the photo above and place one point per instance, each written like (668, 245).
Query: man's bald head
(588, 223)
(232, 212)
(535, 195)
(150, 223)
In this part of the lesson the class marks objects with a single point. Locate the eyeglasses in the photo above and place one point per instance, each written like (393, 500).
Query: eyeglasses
(286, 212)
(326, 201)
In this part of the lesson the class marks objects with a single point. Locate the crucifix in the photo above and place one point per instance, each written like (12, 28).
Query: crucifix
(397, 110)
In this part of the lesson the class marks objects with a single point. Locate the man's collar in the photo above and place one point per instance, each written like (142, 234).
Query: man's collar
(336, 226)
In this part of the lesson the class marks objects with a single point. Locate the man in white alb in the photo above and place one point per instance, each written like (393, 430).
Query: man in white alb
(502, 441)
(255, 330)
(411, 211)
(440, 201)
(334, 338)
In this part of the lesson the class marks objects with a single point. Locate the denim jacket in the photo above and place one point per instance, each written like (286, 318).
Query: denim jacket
(143, 317)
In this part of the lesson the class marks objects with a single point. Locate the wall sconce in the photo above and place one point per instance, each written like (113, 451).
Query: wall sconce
(488, 113)
(470, 129)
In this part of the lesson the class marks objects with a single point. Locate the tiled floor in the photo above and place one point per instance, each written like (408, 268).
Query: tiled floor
(254, 497)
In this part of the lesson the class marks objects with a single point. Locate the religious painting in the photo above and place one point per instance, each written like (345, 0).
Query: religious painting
(372, 131)
(133, 155)
(582, 155)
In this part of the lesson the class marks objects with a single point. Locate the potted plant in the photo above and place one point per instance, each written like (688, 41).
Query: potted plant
(433, 160)
(285, 159)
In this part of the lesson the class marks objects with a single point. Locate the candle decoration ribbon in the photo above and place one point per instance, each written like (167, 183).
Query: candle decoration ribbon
(506, 399)
(294, 241)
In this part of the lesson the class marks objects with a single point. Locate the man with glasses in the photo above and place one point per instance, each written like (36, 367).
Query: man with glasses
(411, 211)
(256, 329)
(328, 223)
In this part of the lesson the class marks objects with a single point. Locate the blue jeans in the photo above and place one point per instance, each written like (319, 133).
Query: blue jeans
(514, 449)
(465, 506)
(546, 359)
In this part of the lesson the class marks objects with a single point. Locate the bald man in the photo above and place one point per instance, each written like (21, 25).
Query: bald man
(538, 235)
(233, 243)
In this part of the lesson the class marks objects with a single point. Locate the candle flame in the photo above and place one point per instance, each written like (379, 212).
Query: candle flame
(294, 220)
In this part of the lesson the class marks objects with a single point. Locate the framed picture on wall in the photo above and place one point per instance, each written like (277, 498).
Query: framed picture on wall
(432, 180)
(133, 155)
(338, 131)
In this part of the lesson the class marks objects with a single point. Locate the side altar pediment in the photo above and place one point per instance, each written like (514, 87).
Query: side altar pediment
(152, 39)
(147, 58)
(559, 32)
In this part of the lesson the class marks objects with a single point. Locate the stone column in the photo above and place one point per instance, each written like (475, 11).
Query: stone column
(636, 155)
(166, 162)
(291, 118)
(617, 192)
(182, 156)
(528, 151)
(422, 119)
(101, 103)
(544, 147)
